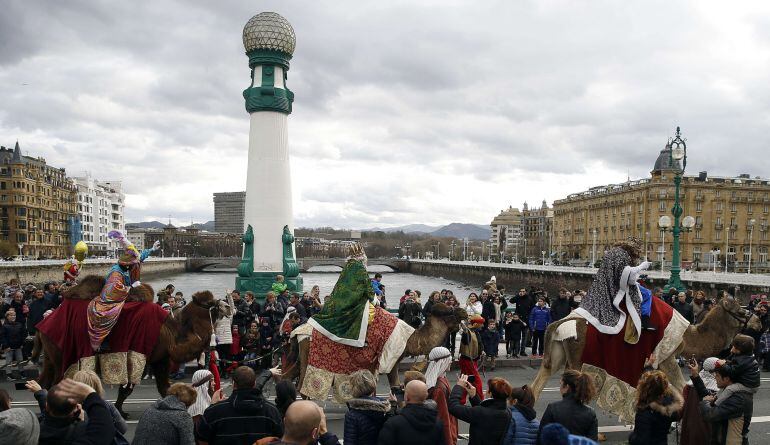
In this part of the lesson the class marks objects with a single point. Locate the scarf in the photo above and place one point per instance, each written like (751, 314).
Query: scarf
(439, 361)
(199, 383)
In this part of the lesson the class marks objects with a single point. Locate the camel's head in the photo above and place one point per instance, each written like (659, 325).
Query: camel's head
(451, 316)
(206, 300)
(734, 309)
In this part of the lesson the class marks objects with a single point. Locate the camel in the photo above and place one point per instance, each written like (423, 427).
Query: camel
(182, 337)
(708, 338)
(441, 321)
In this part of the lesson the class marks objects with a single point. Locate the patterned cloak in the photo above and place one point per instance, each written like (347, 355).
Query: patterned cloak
(345, 316)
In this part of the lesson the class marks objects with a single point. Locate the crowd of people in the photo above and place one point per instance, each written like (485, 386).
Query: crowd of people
(251, 337)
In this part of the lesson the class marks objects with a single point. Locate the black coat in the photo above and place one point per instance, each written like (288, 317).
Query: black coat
(364, 420)
(415, 425)
(409, 311)
(488, 420)
(55, 431)
(685, 309)
(560, 308)
(652, 424)
(524, 305)
(579, 419)
(244, 418)
(36, 310)
(12, 335)
(514, 329)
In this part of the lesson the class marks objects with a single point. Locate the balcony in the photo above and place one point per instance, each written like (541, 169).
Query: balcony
(699, 197)
(719, 227)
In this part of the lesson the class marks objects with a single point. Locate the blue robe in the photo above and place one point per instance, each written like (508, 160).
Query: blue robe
(126, 277)
(646, 301)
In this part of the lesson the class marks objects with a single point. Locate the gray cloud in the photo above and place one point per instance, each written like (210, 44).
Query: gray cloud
(430, 112)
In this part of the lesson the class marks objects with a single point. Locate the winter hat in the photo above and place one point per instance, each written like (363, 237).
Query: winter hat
(19, 426)
(706, 374)
(440, 359)
(130, 254)
(477, 319)
(554, 434)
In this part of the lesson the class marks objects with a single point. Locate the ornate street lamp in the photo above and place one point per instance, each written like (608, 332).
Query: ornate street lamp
(678, 154)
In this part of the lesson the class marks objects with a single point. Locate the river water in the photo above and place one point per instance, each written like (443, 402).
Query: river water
(395, 283)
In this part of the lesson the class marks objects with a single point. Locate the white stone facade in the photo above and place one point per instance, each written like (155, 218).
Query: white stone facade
(100, 206)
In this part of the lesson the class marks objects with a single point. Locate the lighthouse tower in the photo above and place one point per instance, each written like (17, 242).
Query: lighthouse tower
(268, 239)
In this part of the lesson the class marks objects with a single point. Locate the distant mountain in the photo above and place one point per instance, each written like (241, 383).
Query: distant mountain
(453, 230)
(460, 230)
(208, 226)
(146, 225)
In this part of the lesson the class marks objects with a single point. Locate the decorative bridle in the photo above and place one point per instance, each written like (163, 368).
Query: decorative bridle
(742, 319)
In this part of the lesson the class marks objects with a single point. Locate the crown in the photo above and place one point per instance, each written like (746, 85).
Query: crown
(356, 252)
(633, 246)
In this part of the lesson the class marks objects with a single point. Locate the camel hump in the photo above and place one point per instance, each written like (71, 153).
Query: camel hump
(86, 289)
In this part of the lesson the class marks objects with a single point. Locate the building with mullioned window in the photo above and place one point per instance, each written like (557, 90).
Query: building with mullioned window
(731, 219)
(37, 206)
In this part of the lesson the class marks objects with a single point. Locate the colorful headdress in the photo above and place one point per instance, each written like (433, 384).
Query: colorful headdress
(357, 253)
(130, 254)
(633, 246)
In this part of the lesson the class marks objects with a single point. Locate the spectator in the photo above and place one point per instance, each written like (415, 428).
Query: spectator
(298, 307)
(164, 293)
(524, 302)
(37, 308)
(683, 307)
(20, 307)
(180, 301)
(272, 310)
(12, 335)
(267, 341)
(283, 299)
(741, 365)
(514, 328)
(18, 426)
(556, 434)
(91, 379)
(244, 417)
(5, 400)
(51, 295)
(167, 420)
(489, 418)
(278, 287)
(539, 319)
(242, 315)
(577, 390)
(305, 424)
(63, 422)
(439, 361)
(366, 412)
(376, 285)
(433, 298)
(410, 310)
(700, 306)
(201, 383)
(416, 424)
(729, 411)
(657, 405)
(524, 426)
(473, 306)
(694, 429)
(451, 339)
(562, 306)
(285, 395)
(224, 332)
(490, 339)
(254, 308)
(251, 345)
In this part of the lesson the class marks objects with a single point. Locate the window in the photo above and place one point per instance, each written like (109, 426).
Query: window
(698, 206)
(718, 221)
(733, 207)
(718, 235)
(697, 234)
(750, 208)
(662, 206)
(719, 206)
(696, 254)
(732, 221)
(698, 220)
(718, 193)
(764, 208)
(732, 194)
(21, 237)
(21, 211)
(21, 224)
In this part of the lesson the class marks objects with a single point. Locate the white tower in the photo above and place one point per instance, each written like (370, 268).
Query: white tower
(268, 242)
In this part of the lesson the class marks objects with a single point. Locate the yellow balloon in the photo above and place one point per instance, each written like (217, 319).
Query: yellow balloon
(81, 251)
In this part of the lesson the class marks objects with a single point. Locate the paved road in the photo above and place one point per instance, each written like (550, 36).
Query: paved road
(616, 432)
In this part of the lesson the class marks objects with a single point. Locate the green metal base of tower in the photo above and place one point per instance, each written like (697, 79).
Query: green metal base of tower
(260, 283)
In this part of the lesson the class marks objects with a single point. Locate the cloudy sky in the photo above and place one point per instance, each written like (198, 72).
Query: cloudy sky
(405, 112)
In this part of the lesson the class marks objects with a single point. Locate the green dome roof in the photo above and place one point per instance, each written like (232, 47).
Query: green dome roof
(269, 31)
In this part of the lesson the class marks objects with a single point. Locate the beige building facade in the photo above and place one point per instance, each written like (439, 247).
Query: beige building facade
(507, 236)
(731, 220)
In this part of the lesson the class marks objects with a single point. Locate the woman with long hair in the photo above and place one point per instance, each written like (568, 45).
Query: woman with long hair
(577, 390)
(524, 426)
(451, 338)
(473, 306)
(657, 405)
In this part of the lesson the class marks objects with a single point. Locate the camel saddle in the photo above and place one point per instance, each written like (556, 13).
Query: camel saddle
(131, 340)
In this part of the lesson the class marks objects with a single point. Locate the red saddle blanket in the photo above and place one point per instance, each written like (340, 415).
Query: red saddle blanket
(137, 329)
(622, 360)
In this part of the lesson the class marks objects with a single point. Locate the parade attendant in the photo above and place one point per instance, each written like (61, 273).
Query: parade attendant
(490, 338)
(470, 352)
(104, 310)
(539, 319)
(514, 328)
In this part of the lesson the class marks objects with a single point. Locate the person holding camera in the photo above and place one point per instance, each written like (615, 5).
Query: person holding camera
(67, 404)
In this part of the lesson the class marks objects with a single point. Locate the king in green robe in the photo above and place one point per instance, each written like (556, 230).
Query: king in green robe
(345, 314)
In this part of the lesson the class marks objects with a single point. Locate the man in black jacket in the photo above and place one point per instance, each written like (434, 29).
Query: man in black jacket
(524, 303)
(729, 411)
(562, 306)
(65, 405)
(243, 315)
(416, 423)
(37, 308)
(683, 307)
(245, 417)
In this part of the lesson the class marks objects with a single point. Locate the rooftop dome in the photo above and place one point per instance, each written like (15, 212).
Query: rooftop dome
(664, 161)
(270, 31)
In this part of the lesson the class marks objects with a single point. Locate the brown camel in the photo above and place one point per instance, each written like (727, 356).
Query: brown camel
(441, 321)
(707, 338)
(182, 337)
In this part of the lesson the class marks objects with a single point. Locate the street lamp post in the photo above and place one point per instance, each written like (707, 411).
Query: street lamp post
(543, 253)
(593, 250)
(677, 153)
(727, 245)
(751, 235)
